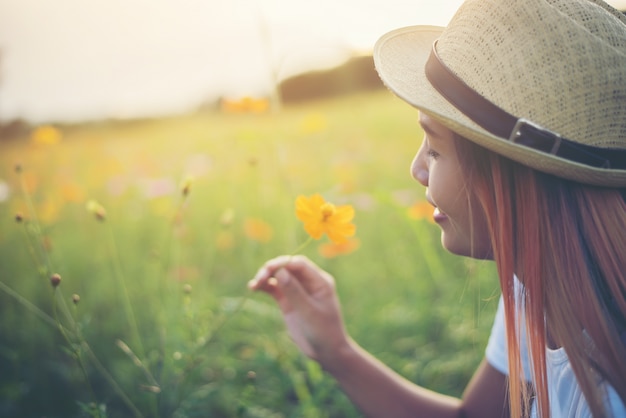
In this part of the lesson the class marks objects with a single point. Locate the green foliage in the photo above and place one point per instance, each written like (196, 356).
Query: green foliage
(164, 326)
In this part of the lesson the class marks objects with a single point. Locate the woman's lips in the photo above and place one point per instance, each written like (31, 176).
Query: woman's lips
(439, 216)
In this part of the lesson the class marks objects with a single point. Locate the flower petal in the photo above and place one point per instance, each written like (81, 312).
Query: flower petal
(313, 212)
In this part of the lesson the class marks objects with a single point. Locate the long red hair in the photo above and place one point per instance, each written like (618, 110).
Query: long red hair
(566, 242)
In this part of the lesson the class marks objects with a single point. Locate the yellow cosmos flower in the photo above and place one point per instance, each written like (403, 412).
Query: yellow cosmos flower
(321, 217)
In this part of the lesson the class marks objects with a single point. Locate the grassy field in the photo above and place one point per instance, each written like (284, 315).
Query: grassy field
(152, 317)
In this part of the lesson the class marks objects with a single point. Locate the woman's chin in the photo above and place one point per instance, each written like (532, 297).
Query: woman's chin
(465, 249)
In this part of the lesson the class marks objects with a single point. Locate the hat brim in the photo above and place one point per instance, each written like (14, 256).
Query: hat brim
(400, 57)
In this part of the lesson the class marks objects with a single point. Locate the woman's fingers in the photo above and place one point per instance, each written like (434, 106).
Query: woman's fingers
(292, 281)
(306, 296)
(289, 293)
(261, 280)
(298, 266)
(310, 276)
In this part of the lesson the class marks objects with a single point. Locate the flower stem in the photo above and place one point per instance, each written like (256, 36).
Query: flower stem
(301, 247)
(128, 308)
(28, 305)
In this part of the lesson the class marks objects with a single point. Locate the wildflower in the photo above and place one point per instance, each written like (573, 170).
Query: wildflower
(157, 187)
(186, 185)
(321, 217)
(258, 230)
(72, 192)
(187, 288)
(75, 299)
(421, 210)
(313, 123)
(331, 249)
(18, 217)
(55, 279)
(46, 135)
(97, 210)
(245, 105)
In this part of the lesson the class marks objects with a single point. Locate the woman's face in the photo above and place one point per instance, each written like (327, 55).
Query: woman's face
(437, 166)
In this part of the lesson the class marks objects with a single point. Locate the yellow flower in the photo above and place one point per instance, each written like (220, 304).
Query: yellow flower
(258, 230)
(46, 135)
(72, 192)
(245, 104)
(421, 210)
(321, 217)
(313, 123)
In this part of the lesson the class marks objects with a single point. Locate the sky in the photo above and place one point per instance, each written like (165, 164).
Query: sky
(76, 60)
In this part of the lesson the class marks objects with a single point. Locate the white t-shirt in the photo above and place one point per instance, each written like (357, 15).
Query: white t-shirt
(566, 398)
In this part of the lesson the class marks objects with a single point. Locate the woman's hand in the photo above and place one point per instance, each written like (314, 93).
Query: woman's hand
(307, 298)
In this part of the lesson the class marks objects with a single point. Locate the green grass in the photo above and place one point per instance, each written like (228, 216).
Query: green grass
(158, 274)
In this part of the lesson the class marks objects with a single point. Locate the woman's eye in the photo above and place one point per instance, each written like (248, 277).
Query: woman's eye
(433, 154)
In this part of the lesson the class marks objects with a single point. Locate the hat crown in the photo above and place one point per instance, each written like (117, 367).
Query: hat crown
(558, 63)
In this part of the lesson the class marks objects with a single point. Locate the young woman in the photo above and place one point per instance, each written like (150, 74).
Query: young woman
(523, 105)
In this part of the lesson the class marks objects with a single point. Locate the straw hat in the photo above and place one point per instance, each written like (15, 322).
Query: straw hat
(542, 82)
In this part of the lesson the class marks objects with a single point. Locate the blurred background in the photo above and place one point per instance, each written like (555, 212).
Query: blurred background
(150, 155)
(70, 60)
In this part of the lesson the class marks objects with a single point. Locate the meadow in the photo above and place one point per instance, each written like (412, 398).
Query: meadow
(126, 246)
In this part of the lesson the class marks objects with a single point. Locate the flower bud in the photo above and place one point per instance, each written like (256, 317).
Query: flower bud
(55, 279)
(75, 299)
(186, 185)
(97, 210)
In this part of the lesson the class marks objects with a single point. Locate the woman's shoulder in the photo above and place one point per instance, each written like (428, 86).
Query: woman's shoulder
(566, 397)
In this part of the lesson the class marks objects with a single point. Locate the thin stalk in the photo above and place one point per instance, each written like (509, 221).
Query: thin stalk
(38, 238)
(35, 224)
(75, 351)
(137, 362)
(103, 371)
(119, 274)
(28, 305)
(84, 345)
(130, 313)
(246, 297)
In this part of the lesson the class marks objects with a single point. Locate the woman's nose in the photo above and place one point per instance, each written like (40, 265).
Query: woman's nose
(419, 169)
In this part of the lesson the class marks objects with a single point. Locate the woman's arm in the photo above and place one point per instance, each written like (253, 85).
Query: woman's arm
(307, 298)
(380, 392)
